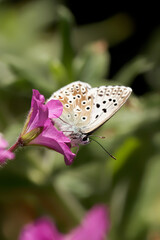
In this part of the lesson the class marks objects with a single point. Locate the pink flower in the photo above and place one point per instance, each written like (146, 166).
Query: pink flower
(39, 128)
(4, 154)
(95, 226)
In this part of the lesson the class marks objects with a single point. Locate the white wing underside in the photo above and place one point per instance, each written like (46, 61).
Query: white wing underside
(88, 108)
(107, 101)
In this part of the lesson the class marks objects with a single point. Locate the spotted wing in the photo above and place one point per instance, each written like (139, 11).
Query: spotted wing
(77, 104)
(106, 102)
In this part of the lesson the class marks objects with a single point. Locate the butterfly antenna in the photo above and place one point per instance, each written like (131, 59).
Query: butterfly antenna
(101, 137)
(104, 149)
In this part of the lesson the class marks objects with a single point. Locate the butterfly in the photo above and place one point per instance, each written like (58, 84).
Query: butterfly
(85, 109)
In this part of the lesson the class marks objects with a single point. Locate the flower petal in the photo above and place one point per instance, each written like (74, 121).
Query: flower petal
(42, 229)
(39, 111)
(55, 108)
(39, 128)
(4, 154)
(3, 142)
(95, 225)
(36, 96)
(56, 140)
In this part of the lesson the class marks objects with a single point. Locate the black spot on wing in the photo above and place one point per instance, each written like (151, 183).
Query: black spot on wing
(97, 105)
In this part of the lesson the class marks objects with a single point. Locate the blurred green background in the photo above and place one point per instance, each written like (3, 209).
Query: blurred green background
(45, 46)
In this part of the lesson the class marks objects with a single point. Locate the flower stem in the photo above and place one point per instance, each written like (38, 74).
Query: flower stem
(14, 147)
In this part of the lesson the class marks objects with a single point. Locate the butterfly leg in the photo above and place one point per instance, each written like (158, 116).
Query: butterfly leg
(77, 149)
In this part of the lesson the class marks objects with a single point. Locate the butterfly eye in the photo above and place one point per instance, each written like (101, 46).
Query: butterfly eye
(85, 138)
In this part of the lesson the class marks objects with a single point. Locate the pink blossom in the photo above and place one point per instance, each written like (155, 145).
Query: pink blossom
(95, 226)
(4, 154)
(39, 128)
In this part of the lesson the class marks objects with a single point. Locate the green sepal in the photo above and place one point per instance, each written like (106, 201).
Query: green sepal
(28, 137)
(26, 123)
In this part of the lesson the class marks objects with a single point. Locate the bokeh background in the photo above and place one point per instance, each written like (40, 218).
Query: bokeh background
(47, 44)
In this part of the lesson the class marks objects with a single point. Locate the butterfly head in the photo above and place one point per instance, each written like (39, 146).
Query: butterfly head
(85, 139)
(79, 138)
(74, 133)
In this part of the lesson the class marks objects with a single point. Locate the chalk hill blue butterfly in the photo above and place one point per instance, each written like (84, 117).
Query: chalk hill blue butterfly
(85, 109)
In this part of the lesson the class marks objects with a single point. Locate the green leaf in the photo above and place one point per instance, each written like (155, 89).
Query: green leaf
(66, 23)
(92, 63)
(131, 70)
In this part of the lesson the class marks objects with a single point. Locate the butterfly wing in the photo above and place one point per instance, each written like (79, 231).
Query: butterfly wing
(85, 109)
(106, 102)
(77, 104)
